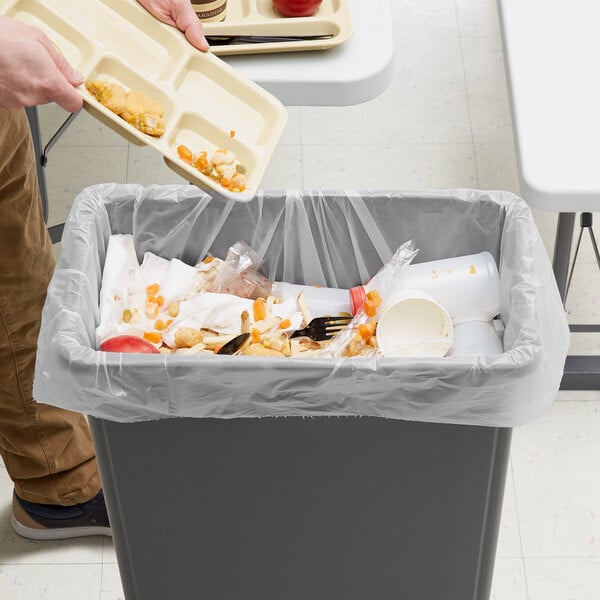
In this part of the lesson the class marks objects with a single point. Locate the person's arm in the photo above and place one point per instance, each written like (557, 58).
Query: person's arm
(179, 14)
(33, 71)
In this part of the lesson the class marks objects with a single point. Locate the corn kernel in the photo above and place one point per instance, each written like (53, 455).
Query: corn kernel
(173, 308)
(152, 290)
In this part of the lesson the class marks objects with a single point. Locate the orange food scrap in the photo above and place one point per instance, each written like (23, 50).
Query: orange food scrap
(374, 297)
(285, 324)
(472, 270)
(185, 153)
(232, 133)
(152, 336)
(364, 331)
(370, 308)
(168, 323)
(208, 259)
(127, 315)
(202, 161)
(160, 300)
(225, 182)
(152, 289)
(159, 324)
(255, 333)
(259, 309)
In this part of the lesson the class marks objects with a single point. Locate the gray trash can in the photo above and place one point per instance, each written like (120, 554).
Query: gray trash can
(252, 478)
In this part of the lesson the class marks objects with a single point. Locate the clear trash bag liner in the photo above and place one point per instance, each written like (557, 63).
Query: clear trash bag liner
(336, 239)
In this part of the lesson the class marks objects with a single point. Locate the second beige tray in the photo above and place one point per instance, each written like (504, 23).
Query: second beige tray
(205, 100)
(257, 17)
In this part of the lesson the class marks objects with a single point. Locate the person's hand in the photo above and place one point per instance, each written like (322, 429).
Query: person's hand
(179, 14)
(33, 71)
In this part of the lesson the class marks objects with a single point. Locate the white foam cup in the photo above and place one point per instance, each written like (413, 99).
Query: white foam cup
(412, 323)
(468, 287)
(476, 338)
(321, 301)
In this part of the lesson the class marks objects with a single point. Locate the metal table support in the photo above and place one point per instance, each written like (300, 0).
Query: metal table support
(41, 153)
(581, 372)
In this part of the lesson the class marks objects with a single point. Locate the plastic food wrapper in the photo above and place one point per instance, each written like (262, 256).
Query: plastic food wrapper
(335, 239)
(239, 273)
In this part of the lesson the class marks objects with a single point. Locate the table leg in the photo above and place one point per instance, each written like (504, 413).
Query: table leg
(562, 251)
(581, 372)
(34, 125)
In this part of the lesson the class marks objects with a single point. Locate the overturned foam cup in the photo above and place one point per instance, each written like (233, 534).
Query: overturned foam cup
(412, 323)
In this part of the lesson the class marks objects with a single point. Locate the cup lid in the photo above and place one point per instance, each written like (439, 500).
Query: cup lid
(358, 295)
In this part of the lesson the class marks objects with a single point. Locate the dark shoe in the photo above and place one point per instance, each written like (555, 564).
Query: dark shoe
(53, 522)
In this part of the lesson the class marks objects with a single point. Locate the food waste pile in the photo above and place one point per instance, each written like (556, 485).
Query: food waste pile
(217, 307)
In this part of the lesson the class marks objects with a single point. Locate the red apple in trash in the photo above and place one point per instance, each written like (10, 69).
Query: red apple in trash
(128, 343)
(296, 8)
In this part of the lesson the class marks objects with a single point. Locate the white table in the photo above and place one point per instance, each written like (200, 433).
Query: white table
(351, 73)
(552, 57)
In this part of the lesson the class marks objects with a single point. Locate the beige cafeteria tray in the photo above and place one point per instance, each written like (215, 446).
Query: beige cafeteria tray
(204, 98)
(257, 17)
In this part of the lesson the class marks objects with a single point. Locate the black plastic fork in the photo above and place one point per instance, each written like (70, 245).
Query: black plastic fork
(322, 328)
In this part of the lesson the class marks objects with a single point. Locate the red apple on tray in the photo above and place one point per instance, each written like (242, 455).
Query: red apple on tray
(296, 8)
(128, 343)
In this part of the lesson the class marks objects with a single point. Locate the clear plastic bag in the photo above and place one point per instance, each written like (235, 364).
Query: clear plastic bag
(335, 239)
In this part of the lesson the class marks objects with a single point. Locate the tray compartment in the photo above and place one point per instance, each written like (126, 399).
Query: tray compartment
(74, 46)
(198, 133)
(225, 101)
(111, 68)
(134, 35)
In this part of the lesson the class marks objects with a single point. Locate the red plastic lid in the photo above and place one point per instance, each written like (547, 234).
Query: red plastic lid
(358, 295)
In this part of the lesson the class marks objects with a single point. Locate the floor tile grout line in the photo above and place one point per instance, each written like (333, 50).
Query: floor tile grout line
(101, 576)
(519, 528)
(462, 59)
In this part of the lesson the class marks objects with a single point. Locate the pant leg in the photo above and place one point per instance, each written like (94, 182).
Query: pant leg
(48, 451)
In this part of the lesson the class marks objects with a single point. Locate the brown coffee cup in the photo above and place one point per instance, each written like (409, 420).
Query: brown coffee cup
(210, 11)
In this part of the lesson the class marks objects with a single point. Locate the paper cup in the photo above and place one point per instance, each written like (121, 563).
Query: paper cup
(476, 338)
(412, 323)
(210, 11)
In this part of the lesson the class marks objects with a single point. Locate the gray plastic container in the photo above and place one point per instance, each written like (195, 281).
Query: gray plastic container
(274, 479)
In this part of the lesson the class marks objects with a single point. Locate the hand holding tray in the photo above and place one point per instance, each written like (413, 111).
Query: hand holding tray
(205, 100)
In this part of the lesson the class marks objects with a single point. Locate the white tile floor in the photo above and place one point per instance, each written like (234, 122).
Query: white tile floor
(444, 122)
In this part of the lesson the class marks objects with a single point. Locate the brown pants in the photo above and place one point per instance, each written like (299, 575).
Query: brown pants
(47, 451)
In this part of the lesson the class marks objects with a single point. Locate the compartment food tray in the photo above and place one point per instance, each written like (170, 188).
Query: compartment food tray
(205, 99)
(257, 17)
